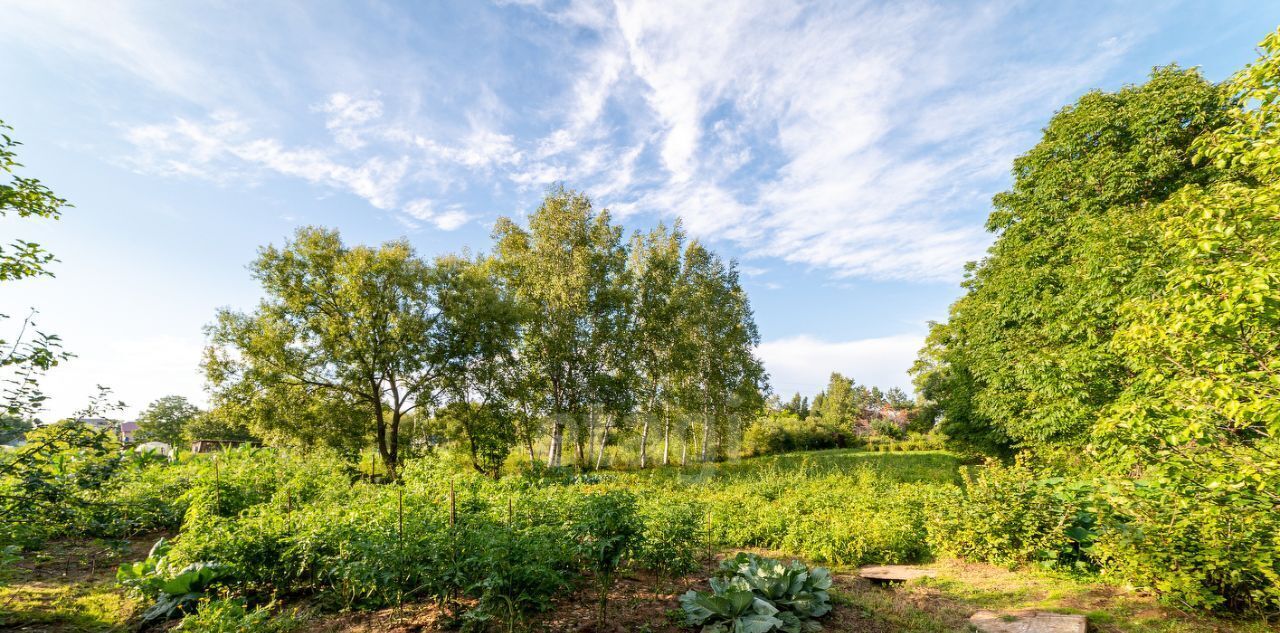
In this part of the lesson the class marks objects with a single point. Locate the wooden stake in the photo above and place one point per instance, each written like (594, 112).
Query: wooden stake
(217, 486)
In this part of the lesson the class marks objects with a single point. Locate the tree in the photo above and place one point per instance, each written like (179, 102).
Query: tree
(1203, 408)
(655, 263)
(897, 398)
(13, 428)
(723, 380)
(486, 430)
(480, 327)
(166, 420)
(567, 272)
(30, 352)
(946, 388)
(216, 424)
(1028, 342)
(353, 324)
(839, 404)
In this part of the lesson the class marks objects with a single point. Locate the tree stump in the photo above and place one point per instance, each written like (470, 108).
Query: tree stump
(889, 574)
(1028, 622)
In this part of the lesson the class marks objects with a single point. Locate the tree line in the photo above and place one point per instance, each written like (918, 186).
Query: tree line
(567, 330)
(1125, 324)
(845, 401)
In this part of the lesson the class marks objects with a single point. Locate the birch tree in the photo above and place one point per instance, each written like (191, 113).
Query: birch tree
(566, 270)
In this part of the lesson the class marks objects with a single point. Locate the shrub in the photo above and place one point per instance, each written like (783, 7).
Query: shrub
(888, 428)
(607, 527)
(1012, 515)
(231, 616)
(780, 433)
(519, 572)
(669, 540)
(1199, 549)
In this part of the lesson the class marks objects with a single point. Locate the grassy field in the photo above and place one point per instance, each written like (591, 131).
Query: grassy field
(837, 508)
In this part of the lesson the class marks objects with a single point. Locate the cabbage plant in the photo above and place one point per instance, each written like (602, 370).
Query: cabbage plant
(754, 594)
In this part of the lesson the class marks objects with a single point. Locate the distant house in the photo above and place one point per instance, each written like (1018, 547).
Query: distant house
(210, 446)
(155, 447)
(125, 430)
(900, 417)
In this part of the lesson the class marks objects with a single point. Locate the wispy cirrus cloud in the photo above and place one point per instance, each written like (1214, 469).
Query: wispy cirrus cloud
(860, 138)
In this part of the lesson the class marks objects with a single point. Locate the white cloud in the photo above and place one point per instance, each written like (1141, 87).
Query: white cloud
(222, 149)
(877, 115)
(804, 363)
(347, 114)
(448, 219)
(862, 138)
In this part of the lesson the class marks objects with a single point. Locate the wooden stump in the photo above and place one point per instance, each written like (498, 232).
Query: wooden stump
(887, 574)
(1028, 622)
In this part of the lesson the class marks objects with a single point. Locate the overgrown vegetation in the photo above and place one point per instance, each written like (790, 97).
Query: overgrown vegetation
(1133, 283)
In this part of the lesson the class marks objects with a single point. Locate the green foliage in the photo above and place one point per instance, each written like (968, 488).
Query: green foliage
(1014, 515)
(13, 427)
(486, 430)
(29, 352)
(174, 590)
(519, 572)
(1199, 424)
(1198, 548)
(51, 483)
(666, 545)
(1026, 347)
(342, 329)
(753, 593)
(608, 528)
(777, 433)
(232, 616)
(166, 420)
(731, 607)
(23, 197)
(888, 428)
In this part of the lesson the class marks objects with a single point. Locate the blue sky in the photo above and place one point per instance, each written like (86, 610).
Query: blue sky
(845, 153)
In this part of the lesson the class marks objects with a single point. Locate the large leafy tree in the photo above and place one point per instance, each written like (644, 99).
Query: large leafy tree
(1204, 406)
(655, 262)
(567, 270)
(29, 352)
(723, 382)
(483, 381)
(1027, 344)
(166, 420)
(355, 325)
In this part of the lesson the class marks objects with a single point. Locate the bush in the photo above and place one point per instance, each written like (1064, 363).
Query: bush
(1012, 515)
(888, 428)
(607, 527)
(669, 543)
(1199, 549)
(781, 433)
(231, 616)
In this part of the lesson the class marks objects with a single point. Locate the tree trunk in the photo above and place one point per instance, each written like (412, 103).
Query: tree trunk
(684, 447)
(591, 439)
(604, 441)
(706, 434)
(666, 437)
(557, 438)
(393, 466)
(644, 436)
